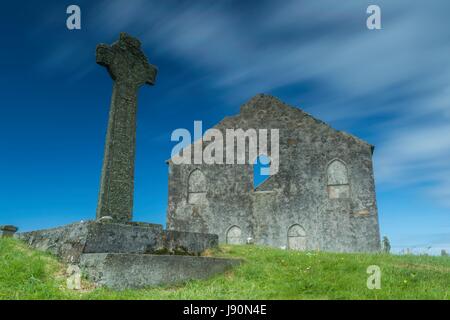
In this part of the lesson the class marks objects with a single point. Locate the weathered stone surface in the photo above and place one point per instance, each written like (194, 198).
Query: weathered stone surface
(7, 231)
(73, 274)
(189, 243)
(325, 184)
(122, 271)
(70, 241)
(129, 69)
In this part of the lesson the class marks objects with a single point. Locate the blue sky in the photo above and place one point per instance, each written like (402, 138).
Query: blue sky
(390, 87)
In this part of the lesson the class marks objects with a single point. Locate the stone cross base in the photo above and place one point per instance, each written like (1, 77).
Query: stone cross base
(71, 241)
(107, 251)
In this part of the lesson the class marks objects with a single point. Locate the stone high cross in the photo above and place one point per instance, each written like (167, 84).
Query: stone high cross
(129, 68)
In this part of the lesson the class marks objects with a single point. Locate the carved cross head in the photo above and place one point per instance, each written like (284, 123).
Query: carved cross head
(125, 62)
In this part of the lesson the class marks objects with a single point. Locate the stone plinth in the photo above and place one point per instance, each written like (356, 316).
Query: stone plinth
(130, 255)
(70, 241)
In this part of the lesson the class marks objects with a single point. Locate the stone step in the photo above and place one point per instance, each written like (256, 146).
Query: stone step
(123, 271)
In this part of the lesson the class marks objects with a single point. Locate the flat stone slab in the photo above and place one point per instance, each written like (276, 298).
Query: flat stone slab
(8, 227)
(123, 271)
(7, 231)
(71, 241)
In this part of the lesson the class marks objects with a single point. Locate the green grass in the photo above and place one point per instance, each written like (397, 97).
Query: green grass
(266, 274)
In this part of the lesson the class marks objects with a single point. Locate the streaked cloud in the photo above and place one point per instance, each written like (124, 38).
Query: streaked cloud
(395, 81)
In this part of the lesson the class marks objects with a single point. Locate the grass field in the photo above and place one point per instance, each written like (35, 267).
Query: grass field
(266, 274)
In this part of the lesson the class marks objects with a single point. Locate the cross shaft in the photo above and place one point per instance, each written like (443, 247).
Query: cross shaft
(129, 68)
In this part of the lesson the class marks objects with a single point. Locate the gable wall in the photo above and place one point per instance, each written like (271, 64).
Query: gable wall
(296, 195)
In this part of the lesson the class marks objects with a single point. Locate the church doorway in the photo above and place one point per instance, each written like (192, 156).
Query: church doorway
(234, 235)
(296, 238)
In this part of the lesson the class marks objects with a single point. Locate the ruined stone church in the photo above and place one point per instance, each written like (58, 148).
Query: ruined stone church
(321, 198)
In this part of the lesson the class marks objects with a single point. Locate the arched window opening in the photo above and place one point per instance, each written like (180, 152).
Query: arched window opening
(337, 180)
(196, 187)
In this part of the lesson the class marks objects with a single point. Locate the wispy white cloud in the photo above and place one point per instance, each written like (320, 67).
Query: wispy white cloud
(415, 154)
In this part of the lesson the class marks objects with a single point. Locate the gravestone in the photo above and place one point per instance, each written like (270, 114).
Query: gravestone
(129, 69)
(73, 281)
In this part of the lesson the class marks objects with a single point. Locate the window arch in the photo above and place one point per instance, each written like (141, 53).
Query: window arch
(337, 180)
(234, 235)
(196, 187)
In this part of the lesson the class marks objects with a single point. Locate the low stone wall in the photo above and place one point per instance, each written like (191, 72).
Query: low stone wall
(66, 242)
